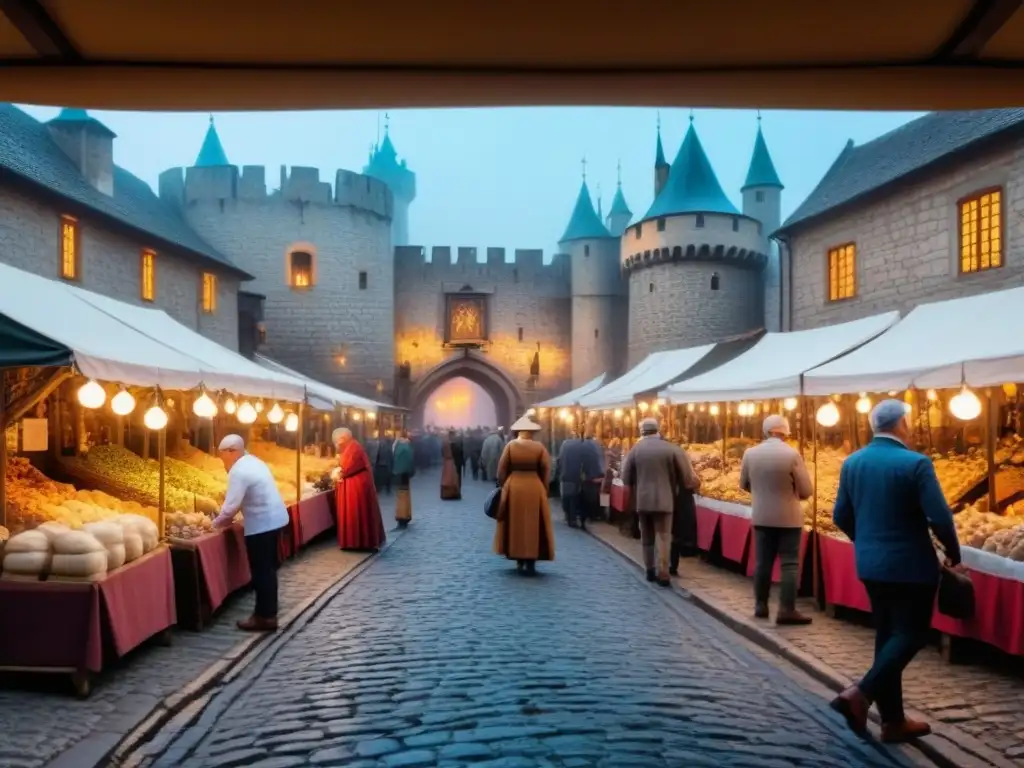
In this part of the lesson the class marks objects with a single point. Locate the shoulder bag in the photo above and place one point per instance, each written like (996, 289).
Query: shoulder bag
(956, 597)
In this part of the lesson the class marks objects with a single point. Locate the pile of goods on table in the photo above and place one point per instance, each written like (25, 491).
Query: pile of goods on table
(282, 465)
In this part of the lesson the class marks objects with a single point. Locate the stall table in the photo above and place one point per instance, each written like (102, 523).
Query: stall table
(75, 627)
(207, 569)
(308, 519)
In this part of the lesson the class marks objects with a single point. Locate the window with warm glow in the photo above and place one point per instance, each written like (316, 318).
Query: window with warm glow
(300, 269)
(148, 275)
(69, 248)
(842, 270)
(209, 293)
(981, 231)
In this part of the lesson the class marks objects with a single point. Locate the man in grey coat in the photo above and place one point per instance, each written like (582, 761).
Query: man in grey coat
(490, 454)
(776, 477)
(653, 470)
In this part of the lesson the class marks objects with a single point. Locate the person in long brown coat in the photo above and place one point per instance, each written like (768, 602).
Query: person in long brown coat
(524, 533)
(451, 483)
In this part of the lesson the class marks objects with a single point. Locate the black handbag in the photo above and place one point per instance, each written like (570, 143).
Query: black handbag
(956, 595)
(492, 504)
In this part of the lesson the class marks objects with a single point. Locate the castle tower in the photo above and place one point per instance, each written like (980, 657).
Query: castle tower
(598, 292)
(661, 166)
(762, 200)
(385, 166)
(619, 215)
(694, 262)
(89, 144)
(211, 153)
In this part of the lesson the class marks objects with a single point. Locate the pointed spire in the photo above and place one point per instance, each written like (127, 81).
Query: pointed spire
(75, 115)
(762, 171)
(659, 150)
(211, 154)
(600, 213)
(692, 185)
(584, 224)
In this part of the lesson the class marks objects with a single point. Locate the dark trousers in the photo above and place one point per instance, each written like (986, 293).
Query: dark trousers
(474, 466)
(590, 501)
(903, 617)
(572, 501)
(684, 529)
(783, 543)
(262, 551)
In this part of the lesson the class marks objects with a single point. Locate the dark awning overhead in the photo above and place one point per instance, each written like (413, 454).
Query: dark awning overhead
(21, 347)
(264, 54)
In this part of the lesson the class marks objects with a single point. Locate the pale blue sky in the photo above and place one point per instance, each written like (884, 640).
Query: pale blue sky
(500, 177)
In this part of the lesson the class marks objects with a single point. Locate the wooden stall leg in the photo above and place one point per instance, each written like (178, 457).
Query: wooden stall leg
(82, 681)
(949, 648)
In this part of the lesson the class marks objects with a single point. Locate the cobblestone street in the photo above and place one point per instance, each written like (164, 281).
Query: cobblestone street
(439, 654)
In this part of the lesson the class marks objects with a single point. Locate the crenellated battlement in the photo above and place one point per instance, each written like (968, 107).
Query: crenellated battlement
(185, 187)
(482, 266)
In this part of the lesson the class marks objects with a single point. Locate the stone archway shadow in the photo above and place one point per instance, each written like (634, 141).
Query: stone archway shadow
(471, 365)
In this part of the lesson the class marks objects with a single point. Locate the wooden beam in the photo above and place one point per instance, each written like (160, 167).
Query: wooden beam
(18, 408)
(30, 18)
(978, 27)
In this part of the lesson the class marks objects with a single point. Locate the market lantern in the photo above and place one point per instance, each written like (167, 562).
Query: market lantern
(204, 407)
(618, 413)
(932, 395)
(247, 413)
(258, 406)
(965, 405)
(122, 403)
(689, 407)
(828, 415)
(92, 395)
(714, 410)
(291, 422)
(357, 416)
(643, 407)
(790, 403)
(530, 411)
(863, 404)
(155, 418)
(1010, 389)
(563, 413)
(276, 414)
(371, 415)
(230, 406)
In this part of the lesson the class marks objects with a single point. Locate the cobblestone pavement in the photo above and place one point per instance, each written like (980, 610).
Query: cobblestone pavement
(984, 701)
(40, 718)
(439, 654)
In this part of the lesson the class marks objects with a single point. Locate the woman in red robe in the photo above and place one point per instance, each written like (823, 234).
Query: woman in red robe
(360, 525)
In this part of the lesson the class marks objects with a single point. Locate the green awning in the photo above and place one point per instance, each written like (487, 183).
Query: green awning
(22, 347)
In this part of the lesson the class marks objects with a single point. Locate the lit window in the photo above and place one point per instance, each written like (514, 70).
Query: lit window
(842, 269)
(69, 248)
(981, 232)
(300, 269)
(209, 293)
(148, 275)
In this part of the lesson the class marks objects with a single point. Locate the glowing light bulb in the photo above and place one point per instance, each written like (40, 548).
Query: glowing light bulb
(618, 413)
(258, 406)
(275, 414)
(92, 395)
(689, 407)
(155, 418)
(371, 415)
(291, 422)
(863, 404)
(530, 411)
(643, 407)
(247, 413)
(714, 410)
(965, 405)
(230, 406)
(933, 395)
(828, 415)
(204, 407)
(1010, 389)
(122, 403)
(790, 403)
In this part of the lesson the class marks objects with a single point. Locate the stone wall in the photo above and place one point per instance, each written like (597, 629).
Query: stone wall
(524, 294)
(111, 264)
(907, 249)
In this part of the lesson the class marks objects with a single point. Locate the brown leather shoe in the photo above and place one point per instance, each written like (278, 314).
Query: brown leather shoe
(792, 618)
(898, 733)
(853, 705)
(258, 624)
(761, 611)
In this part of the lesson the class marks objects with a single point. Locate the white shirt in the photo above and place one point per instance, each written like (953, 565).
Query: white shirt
(252, 489)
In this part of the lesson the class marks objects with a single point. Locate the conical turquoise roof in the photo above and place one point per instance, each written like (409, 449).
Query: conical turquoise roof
(619, 207)
(692, 185)
(659, 152)
(76, 115)
(762, 171)
(211, 154)
(584, 224)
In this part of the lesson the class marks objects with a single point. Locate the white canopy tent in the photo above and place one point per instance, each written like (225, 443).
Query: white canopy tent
(572, 397)
(773, 367)
(114, 341)
(936, 345)
(321, 395)
(649, 375)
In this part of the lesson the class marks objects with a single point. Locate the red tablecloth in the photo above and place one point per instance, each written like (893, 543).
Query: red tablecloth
(734, 533)
(707, 524)
(61, 624)
(619, 498)
(223, 563)
(315, 516)
(839, 572)
(776, 572)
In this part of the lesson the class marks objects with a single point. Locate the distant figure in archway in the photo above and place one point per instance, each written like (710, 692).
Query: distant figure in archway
(451, 482)
(359, 522)
(524, 532)
(490, 453)
(404, 468)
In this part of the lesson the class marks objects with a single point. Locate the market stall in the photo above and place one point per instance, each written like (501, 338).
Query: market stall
(563, 407)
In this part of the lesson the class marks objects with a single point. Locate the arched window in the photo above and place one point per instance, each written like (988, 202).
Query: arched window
(301, 269)
(700, 221)
(716, 281)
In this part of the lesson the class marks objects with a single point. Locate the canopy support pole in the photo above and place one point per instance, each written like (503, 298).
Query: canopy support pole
(299, 439)
(815, 564)
(991, 425)
(3, 448)
(161, 443)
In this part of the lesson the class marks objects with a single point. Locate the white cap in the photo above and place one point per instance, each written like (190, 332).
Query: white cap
(649, 426)
(776, 423)
(887, 414)
(232, 443)
(337, 434)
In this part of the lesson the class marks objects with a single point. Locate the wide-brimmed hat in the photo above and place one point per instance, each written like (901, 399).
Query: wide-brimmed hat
(525, 424)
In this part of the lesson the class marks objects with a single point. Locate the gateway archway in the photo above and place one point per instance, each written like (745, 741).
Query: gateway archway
(471, 365)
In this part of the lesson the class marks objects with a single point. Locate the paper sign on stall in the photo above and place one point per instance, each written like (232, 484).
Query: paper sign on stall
(35, 435)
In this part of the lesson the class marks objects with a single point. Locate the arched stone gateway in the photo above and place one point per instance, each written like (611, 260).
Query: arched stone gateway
(508, 401)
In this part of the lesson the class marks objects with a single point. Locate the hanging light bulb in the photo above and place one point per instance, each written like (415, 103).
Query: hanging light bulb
(530, 411)
(357, 416)
(230, 406)
(828, 415)
(291, 422)
(246, 413)
(933, 395)
(275, 414)
(618, 413)
(258, 406)
(92, 395)
(371, 415)
(863, 403)
(790, 403)
(965, 405)
(155, 418)
(643, 407)
(1010, 389)
(204, 407)
(122, 403)
(714, 410)
(908, 408)
(689, 407)
(702, 408)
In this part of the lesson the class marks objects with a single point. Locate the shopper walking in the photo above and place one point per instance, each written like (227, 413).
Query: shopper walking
(888, 503)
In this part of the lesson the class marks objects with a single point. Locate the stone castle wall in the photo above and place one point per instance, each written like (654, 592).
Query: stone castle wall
(907, 244)
(341, 329)
(528, 302)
